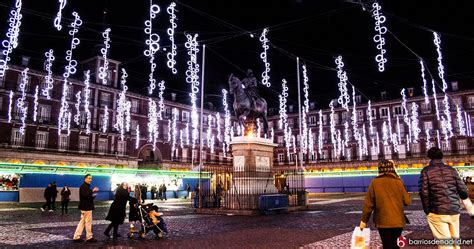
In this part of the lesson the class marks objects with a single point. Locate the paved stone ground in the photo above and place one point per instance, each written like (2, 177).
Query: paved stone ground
(328, 223)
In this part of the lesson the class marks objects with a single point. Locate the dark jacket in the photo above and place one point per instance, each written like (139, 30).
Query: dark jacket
(441, 189)
(386, 198)
(54, 191)
(117, 209)
(65, 194)
(86, 198)
(48, 193)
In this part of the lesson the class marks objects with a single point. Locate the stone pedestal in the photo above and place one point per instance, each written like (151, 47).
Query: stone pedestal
(252, 172)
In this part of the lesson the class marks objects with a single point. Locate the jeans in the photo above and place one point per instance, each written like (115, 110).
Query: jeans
(64, 205)
(389, 237)
(114, 226)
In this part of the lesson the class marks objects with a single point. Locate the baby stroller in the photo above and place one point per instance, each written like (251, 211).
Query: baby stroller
(149, 218)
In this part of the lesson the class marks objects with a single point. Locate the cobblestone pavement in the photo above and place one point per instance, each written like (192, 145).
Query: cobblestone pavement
(328, 223)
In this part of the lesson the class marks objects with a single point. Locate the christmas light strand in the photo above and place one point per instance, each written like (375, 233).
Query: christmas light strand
(137, 136)
(153, 44)
(461, 126)
(370, 117)
(406, 119)
(425, 84)
(152, 123)
(378, 38)
(415, 122)
(227, 122)
(437, 43)
(87, 95)
(209, 135)
(35, 103)
(343, 98)
(171, 31)
(193, 78)
(428, 139)
(218, 127)
(122, 119)
(174, 133)
(57, 20)
(10, 103)
(21, 105)
(332, 124)
(14, 23)
(48, 78)
(264, 40)
(78, 110)
(320, 133)
(305, 136)
(283, 99)
(103, 70)
(105, 121)
(355, 127)
(435, 99)
(161, 100)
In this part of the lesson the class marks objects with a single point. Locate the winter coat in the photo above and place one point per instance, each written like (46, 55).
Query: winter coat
(386, 197)
(117, 209)
(54, 191)
(86, 198)
(441, 189)
(65, 194)
(47, 193)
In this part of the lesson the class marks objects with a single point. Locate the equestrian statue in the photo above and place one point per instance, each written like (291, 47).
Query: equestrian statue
(248, 105)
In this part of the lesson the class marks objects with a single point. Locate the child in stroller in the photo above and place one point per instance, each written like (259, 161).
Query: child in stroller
(148, 219)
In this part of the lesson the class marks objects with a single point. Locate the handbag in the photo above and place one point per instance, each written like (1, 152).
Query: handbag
(360, 238)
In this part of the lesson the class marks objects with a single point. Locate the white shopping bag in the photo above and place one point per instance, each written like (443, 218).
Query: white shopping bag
(360, 238)
(469, 207)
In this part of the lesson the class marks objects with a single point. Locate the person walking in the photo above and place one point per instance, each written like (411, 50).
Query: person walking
(138, 193)
(86, 205)
(54, 195)
(117, 213)
(153, 192)
(65, 197)
(441, 190)
(144, 190)
(386, 198)
(188, 190)
(48, 197)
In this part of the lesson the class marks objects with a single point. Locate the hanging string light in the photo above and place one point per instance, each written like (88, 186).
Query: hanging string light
(406, 119)
(283, 99)
(355, 127)
(378, 142)
(305, 136)
(153, 44)
(467, 122)
(227, 122)
(389, 118)
(399, 132)
(14, 23)
(57, 20)
(171, 30)
(385, 133)
(186, 131)
(77, 105)
(343, 98)
(152, 123)
(193, 78)
(181, 138)
(87, 94)
(21, 105)
(105, 121)
(320, 133)
(161, 99)
(174, 133)
(340, 149)
(428, 139)
(48, 78)
(332, 124)
(35, 103)
(415, 122)
(122, 119)
(310, 142)
(218, 127)
(264, 40)
(435, 99)
(209, 135)
(364, 141)
(259, 127)
(272, 134)
(137, 136)
(64, 119)
(10, 104)
(462, 129)
(425, 84)
(378, 38)
(369, 116)
(103, 70)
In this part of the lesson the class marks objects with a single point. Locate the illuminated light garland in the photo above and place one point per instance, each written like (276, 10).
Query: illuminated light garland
(447, 113)
(21, 105)
(364, 141)
(310, 142)
(152, 123)
(462, 129)
(396, 147)
(369, 116)
(181, 139)
(170, 55)
(378, 38)
(78, 110)
(293, 138)
(227, 122)
(122, 119)
(186, 130)
(408, 142)
(378, 143)
(385, 133)
(399, 132)
(153, 44)
(57, 20)
(10, 103)
(444, 130)
(355, 127)
(428, 138)
(272, 134)
(169, 130)
(35, 104)
(161, 100)
(48, 78)
(137, 136)
(14, 23)
(439, 139)
(218, 127)
(104, 51)
(320, 133)
(283, 99)
(174, 133)
(87, 94)
(304, 140)
(264, 40)
(406, 119)
(425, 84)
(437, 43)
(193, 78)
(259, 127)
(105, 121)
(468, 124)
(332, 124)
(340, 150)
(343, 98)
(415, 122)
(209, 136)
(64, 119)
(435, 99)
(389, 118)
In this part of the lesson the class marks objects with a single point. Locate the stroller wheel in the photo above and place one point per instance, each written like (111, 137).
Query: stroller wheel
(130, 235)
(160, 235)
(142, 235)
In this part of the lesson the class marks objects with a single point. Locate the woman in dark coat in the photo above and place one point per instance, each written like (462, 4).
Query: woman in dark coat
(117, 210)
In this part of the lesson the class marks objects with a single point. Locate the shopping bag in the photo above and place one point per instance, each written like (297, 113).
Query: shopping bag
(360, 238)
(468, 206)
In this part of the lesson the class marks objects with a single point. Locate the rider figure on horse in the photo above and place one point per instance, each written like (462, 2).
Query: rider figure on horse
(250, 84)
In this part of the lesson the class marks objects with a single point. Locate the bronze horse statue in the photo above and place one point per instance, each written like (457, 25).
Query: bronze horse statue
(246, 109)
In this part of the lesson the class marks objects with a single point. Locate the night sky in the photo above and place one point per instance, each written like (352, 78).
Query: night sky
(316, 31)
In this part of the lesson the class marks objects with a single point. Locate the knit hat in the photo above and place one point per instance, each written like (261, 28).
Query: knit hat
(386, 167)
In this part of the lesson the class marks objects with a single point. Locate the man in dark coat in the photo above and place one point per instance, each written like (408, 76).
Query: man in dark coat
(441, 191)
(153, 192)
(117, 210)
(54, 195)
(164, 192)
(47, 197)
(144, 190)
(86, 205)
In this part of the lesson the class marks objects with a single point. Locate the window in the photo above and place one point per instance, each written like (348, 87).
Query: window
(168, 113)
(425, 108)
(312, 120)
(456, 101)
(428, 125)
(383, 95)
(102, 146)
(63, 142)
(83, 120)
(70, 92)
(41, 140)
(336, 118)
(20, 80)
(374, 114)
(135, 108)
(345, 116)
(281, 157)
(384, 112)
(325, 120)
(445, 147)
(291, 122)
(184, 154)
(185, 116)
(360, 115)
(270, 124)
(325, 136)
(454, 86)
(397, 110)
(292, 157)
(280, 140)
(18, 139)
(44, 113)
(43, 86)
(104, 99)
(83, 144)
(133, 126)
(121, 147)
(164, 131)
(358, 99)
(17, 113)
(470, 101)
(462, 146)
(312, 157)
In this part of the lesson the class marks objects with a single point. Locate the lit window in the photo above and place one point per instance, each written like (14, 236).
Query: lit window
(63, 142)
(41, 140)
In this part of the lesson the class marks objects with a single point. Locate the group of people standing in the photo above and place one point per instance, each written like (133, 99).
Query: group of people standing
(51, 194)
(159, 193)
(441, 190)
